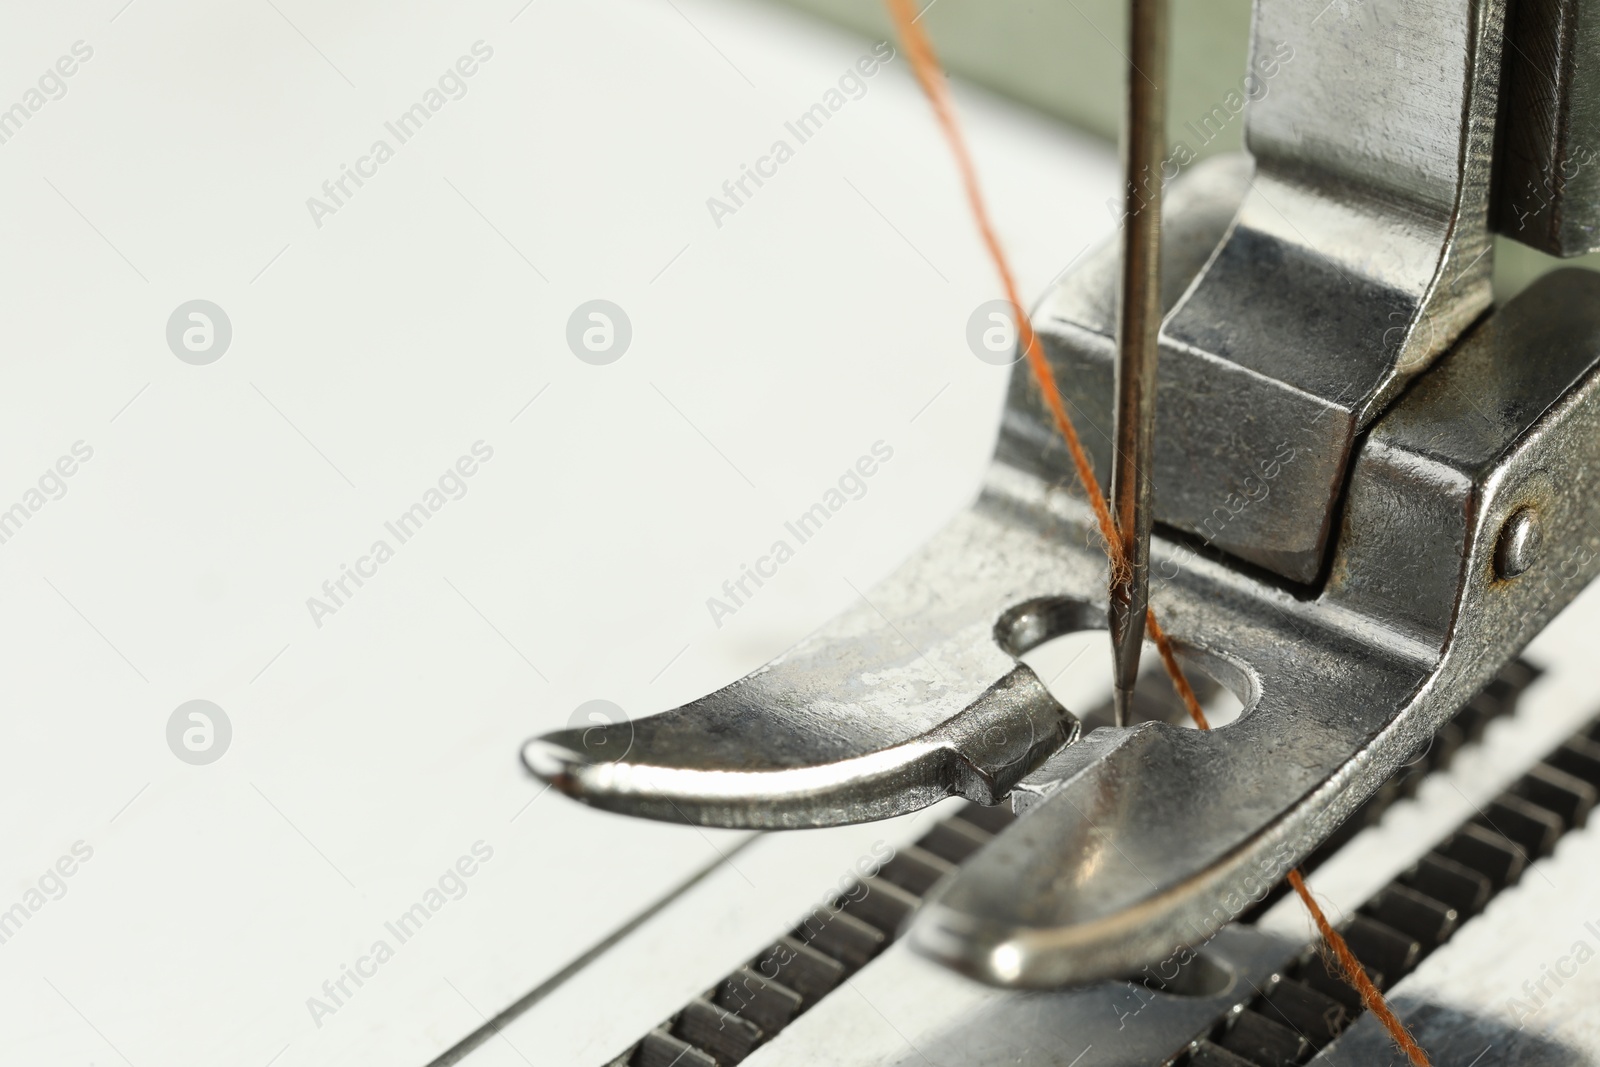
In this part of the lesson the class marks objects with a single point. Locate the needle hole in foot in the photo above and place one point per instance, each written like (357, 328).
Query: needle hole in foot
(1076, 668)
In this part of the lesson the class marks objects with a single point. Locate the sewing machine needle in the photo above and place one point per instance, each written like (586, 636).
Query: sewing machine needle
(1138, 325)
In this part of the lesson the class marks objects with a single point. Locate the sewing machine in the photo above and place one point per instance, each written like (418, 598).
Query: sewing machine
(1373, 490)
(335, 474)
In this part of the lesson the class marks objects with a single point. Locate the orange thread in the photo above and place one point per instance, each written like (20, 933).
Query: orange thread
(929, 75)
(1356, 976)
(1174, 671)
(925, 64)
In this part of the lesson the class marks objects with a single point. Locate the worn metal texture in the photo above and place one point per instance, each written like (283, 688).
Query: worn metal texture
(1549, 186)
(1139, 841)
(1359, 253)
(914, 695)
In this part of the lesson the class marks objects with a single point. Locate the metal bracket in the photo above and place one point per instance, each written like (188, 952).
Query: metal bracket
(1359, 252)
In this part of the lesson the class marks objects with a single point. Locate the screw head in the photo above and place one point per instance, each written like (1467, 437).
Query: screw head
(1519, 543)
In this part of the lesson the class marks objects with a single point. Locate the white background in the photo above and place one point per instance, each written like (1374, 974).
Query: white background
(368, 354)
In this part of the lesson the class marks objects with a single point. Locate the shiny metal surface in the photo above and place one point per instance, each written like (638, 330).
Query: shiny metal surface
(1166, 832)
(1549, 185)
(1359, 253)
(914, 695)
(898, 1011)
(1138, 331)
(1306, 287)
(1150, 838)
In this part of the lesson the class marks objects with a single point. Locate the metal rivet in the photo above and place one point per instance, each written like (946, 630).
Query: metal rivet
(1519, 543)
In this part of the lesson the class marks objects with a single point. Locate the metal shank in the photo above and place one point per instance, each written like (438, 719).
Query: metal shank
(1359, 252)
